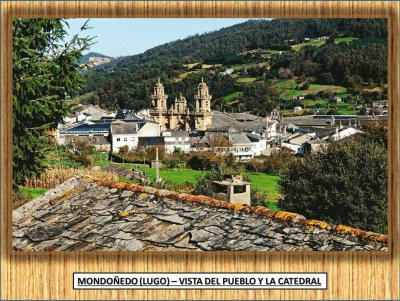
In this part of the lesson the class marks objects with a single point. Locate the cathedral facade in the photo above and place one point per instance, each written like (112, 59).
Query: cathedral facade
(179, 116)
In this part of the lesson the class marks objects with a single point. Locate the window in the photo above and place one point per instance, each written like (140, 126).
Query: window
(125, 138)
(133, 139)
(118, 139)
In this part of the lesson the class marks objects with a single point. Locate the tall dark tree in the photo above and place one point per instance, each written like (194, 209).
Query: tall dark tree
(346, 184)
(45, 73)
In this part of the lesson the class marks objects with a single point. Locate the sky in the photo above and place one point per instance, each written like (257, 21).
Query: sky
(120, 37)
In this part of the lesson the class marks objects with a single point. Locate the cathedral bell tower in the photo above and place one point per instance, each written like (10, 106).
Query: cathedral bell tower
(203, 98)
(158, 110)
(203, 113)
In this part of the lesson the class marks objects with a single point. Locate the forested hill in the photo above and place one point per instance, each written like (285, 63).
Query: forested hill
(257, 34)
(127, 81)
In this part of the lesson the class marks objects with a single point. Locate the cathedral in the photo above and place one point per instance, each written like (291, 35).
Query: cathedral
(179, 117)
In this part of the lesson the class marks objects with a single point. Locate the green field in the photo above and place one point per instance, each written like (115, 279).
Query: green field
(232, 96)
(185, 74)
(246, 80)
(191, 65)
(346, 112)
(344, 40)
(313, 103)
(239, 67)
(312, 43)
(286, 91)
(31, 192)
(262, 181)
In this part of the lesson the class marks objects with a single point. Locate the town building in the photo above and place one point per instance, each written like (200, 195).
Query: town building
(171, 141)
(179, 116)
(124, 134)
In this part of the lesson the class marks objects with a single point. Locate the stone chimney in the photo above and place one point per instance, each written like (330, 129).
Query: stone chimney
(232, 189)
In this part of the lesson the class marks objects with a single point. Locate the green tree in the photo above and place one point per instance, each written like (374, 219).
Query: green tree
(45, 73)
(346, 184)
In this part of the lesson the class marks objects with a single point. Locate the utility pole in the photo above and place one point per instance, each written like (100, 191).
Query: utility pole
(157, 167)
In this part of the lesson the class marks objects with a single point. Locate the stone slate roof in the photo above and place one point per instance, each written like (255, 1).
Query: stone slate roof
(85, 214)
(225, 120)
(121, 128)
(95, 140)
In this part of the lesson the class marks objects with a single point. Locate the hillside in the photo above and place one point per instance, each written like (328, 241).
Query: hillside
(95, 59)
(245, 64)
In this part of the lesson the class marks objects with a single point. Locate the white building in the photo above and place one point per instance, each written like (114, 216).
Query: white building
(148, 128)
(259, 143)
(124, 133)
(342, 133)
(176, 140)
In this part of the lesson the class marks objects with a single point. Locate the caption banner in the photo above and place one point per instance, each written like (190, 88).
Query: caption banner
(91, 281)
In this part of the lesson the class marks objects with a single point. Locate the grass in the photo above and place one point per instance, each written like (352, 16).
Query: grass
(346, 112)
(246, 80)
(239, 67)
(232, 96)
(100, 159)
(313, 103)
(285, 85)
(312, 43)
(205, 66)
(32, 192)
(291, 113)
(344, 40)
(185, 74)
(285, 89)
(265, 182)
(190, 66)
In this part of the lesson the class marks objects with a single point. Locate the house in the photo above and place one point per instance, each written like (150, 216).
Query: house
(314, 146)
(342, 133)
(123, 134)
(100, 143)
(88, 129)
(296, 142)
(171, 140)
(242, 146)
(94, 111)
(259, 143)
(174, 140)
(337, 100)
(300, 97)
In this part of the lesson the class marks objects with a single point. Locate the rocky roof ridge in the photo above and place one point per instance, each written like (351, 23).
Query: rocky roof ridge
(280, 216)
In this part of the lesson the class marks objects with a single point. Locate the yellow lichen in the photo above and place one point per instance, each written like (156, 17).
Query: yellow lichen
(88, 180)
(125, 213)
(318, 223)
(284, 215)
(143, 195)
(121, 185)
(237, 206)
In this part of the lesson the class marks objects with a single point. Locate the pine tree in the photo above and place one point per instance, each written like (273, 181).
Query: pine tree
(45, 73)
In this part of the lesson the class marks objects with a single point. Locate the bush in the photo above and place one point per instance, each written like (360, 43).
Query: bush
(84, 159)
(204, 161)
(204, 184)
(346, 184)
(257, 197)
(279, 161)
